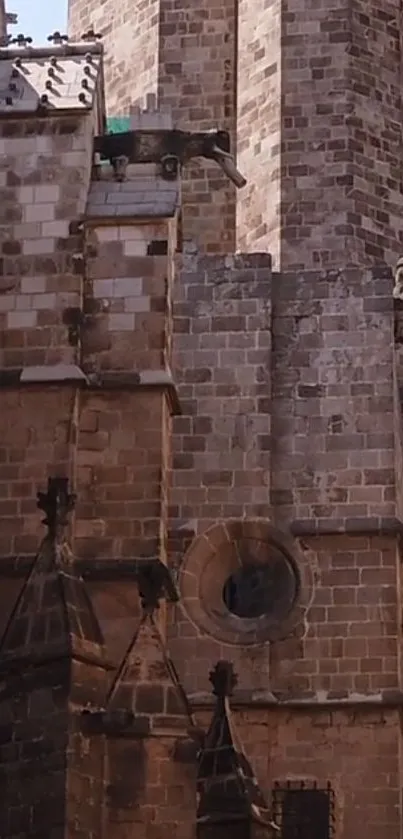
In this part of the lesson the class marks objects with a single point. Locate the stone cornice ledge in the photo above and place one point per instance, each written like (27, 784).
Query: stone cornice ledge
(105, 570)
(138, 380)
(49, 374)
(67, 374)
(364, 526)
(308, 528)
(321, 700)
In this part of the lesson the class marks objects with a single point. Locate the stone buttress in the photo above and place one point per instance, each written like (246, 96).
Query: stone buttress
(53, 665)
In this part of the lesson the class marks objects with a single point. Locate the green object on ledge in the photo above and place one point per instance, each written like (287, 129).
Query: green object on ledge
(117, 125)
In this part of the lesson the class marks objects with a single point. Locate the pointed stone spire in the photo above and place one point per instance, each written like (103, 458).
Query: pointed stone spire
(56, 503)
(53, 617)
(152, 740)
(52, 668)
(228, 792)
(147, 682)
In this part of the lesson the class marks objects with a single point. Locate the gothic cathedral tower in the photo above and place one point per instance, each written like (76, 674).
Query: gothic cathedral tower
(311, 96)
(209, 381)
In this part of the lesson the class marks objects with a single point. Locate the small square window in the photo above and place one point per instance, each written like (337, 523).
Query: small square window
(303, 812)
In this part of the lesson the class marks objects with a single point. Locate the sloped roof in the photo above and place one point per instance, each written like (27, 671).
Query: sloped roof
(138, 196)
(227, 787)
(53, 616)
(148, 681)
(64, 77)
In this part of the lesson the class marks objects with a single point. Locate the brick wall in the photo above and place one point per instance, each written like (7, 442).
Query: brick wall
(330, 189)
(85, 788)
(316, 415)
(346, 647)
(398, 429)
(37, 432)
(290, 381)
(98, 301)
(221, 441)
(125, 293)
(123, 450)
(355, 750)
(222, 359)
(27, 741)
(186, 56)
(121, 474)
(332, 413)
(198, 80)
(45, 175)
(350, 643)
(149, 793)
(128, 31)
(259, 118)
(44, 178)
(264, 364)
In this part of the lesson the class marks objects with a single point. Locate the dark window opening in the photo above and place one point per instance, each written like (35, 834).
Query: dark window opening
(304, 812)
(254, 591)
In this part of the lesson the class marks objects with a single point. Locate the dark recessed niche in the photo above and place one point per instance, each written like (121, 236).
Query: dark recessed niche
(257, 590)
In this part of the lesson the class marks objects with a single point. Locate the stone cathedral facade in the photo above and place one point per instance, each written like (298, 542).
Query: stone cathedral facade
(201, 450)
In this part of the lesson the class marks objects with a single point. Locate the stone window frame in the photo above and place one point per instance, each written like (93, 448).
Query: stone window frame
(208, 563)
(325, 822)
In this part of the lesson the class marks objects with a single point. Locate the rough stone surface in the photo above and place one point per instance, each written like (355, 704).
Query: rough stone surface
(45, 176)
(127, 295)
(288, 370)
(139, 195)
(322, 156)
(185, 56)
(222, 359)
(122, 460)
(333, 397)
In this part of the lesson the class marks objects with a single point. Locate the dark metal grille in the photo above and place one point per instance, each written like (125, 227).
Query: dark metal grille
(303, 811)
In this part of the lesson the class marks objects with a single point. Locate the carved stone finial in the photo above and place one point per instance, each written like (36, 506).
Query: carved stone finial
(21, 40)
(57, 38)
(56, 503)
(223, 679)
(154, 582)
(150, 582)
(91, 35)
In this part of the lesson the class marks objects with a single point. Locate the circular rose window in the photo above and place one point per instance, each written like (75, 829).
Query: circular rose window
(255, 591)
(241, 582)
